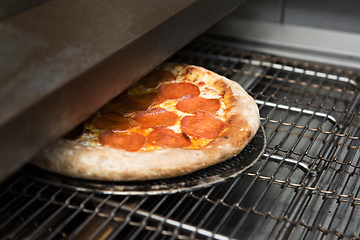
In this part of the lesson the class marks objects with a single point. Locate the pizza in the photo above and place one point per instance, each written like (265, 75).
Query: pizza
(176, 120)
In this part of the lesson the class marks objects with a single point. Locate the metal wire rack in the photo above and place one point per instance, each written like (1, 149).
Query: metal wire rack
(305, 186)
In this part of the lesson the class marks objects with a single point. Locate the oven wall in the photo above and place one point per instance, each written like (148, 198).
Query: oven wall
(315, 31)
(334, 15)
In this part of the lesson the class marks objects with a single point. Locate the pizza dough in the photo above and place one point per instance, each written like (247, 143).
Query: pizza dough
(165, 127)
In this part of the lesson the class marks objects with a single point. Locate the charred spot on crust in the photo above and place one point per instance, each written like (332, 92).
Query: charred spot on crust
(248, 134)
(226, 137)
(188, 71)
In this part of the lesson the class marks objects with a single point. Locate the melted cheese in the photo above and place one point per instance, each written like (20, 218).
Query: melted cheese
(90, 137)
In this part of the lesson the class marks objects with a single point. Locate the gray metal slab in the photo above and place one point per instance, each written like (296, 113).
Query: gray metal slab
(300, 42)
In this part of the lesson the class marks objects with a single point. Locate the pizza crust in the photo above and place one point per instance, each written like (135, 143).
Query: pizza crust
(73, 159)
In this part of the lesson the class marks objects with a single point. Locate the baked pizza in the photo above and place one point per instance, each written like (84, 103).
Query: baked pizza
(174, 121)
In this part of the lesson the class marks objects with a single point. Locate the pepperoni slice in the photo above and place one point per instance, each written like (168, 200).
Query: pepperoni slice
(192, 104)
(156, 117)
(154, 78)
(178, 90)
(167, 138)
(112, 120)
(129, 141)
(147, 99)
(203, 125)
(122, 104)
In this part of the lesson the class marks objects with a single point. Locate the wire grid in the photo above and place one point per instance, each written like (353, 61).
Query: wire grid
(306, 185)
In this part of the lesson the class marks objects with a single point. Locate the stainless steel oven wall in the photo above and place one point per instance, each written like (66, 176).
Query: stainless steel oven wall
(319, 31)
(334, 15)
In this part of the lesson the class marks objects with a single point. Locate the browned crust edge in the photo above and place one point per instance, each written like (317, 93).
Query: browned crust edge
(71, 159)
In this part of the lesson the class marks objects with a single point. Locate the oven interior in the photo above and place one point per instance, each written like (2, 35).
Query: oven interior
(304, 186)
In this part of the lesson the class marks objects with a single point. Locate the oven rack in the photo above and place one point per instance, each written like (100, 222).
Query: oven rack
(305, 186)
